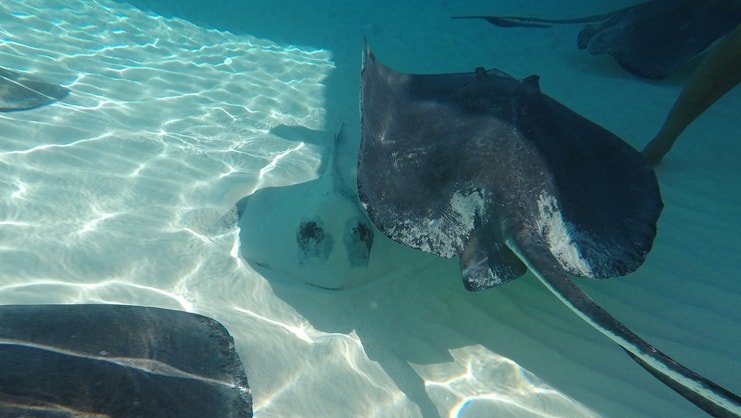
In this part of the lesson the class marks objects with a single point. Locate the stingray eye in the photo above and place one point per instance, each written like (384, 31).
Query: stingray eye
(313, 240)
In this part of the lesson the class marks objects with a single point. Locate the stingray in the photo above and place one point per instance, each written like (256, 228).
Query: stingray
(21, 92)
(487, 168)
(117, 361)
(314, 230)
(651, 39)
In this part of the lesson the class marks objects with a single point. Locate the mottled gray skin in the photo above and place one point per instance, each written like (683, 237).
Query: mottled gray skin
(485, 134)
(117, 361)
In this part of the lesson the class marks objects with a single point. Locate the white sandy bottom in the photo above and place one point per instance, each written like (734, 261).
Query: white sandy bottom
(117, 195)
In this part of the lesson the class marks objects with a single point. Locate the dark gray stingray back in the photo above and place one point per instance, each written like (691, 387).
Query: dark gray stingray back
(117, 361)
(453, 164)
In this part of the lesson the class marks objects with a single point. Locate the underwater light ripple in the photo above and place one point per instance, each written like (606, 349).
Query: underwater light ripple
(479, 375)
(184, 303)
(297, 331)
(276, 159)
(50, 146)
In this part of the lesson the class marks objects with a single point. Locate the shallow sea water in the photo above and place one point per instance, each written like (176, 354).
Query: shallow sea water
(123, 193)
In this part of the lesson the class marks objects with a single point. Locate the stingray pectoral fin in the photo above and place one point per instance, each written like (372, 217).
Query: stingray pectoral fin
(486, 265)
(50, 92)
(19, 92)
(704, 393)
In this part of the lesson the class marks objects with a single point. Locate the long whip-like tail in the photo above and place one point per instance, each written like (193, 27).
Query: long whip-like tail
(707, 395)
(535, 22)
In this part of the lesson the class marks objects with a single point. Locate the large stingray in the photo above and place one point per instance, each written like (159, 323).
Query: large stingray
(488, 168)
(650, 39)
(21, 92)
(117, 361)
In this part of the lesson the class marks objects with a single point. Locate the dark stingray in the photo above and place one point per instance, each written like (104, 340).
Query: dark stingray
(651, 39)
(117, 361)
(21, 92)
(488, 168)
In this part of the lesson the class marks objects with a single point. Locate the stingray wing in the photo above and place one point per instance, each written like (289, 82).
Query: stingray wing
(20, 92)
(598, 209)
(406, 177)
(452, 164)
(414, 179)
(117, 361)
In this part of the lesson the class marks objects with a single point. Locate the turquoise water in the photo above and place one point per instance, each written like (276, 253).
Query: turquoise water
(123, 192)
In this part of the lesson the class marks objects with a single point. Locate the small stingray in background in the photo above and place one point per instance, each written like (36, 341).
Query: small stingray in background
(718, 73)
(20, 92)
(651, 39)
(488, 168)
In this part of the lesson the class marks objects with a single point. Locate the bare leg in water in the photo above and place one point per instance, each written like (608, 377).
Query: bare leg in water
(718, 73)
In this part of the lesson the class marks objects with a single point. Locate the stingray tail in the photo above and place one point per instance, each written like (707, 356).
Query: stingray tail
(707, 395)
(535, 22)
